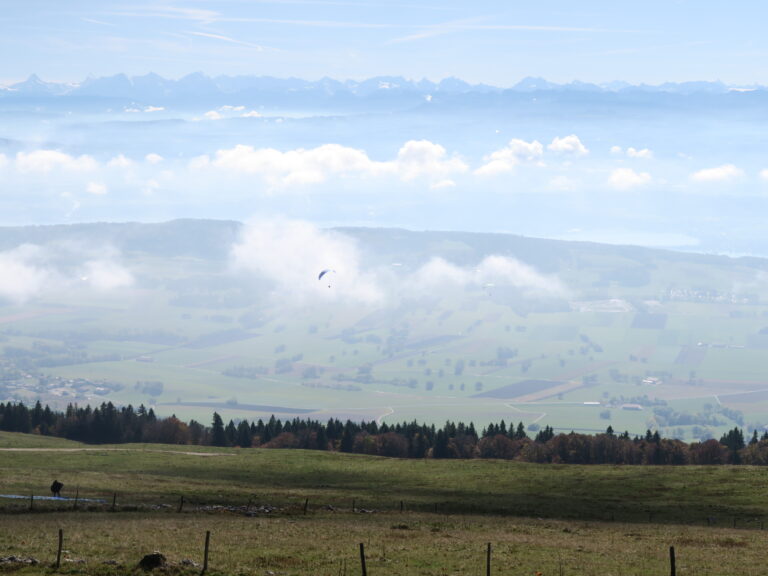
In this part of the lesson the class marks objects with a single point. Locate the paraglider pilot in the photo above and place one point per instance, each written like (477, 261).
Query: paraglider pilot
(56, 488)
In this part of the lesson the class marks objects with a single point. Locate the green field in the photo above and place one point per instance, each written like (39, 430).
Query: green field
(297, 513)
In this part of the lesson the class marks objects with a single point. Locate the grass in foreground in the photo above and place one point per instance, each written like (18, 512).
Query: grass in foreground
(327, 543)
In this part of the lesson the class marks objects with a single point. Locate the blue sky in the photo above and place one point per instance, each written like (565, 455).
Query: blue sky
(495, 42)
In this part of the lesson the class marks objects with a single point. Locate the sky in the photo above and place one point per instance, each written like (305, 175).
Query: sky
(658, 174)
(493, 42)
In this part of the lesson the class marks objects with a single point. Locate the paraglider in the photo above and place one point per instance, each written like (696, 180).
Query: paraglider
(324, 273)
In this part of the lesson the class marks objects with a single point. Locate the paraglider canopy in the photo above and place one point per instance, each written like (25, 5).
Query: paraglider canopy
(324, 273)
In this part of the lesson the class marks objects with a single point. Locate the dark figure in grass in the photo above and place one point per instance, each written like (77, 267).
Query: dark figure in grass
(56, 488)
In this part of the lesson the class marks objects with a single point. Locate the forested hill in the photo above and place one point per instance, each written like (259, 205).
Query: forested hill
(108, 424)
(213, 239)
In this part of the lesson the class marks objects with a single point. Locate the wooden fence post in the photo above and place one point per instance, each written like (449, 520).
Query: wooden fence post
(181, 504)
(306, 504)
(488, 560)
(362, 559)
(114, 501)
(401, 506)
(205, 556)
(61, 543)
(77, 496)
(672, 561)
(31, 501)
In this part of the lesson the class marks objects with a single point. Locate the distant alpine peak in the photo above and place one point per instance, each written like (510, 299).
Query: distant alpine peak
(198, 85)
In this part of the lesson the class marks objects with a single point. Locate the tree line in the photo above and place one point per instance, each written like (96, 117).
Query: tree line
(109, 424)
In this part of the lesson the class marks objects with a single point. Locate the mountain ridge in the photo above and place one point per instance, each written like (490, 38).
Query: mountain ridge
(197, 84)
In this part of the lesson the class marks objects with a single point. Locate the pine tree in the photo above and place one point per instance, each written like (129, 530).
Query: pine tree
(218, 436)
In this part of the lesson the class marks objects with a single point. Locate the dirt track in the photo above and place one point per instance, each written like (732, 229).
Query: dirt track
(111, 450)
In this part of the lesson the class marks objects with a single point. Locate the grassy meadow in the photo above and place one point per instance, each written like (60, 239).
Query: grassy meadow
(430, 517)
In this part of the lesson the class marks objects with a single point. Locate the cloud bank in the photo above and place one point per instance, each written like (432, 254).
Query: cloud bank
(291, 255)
(29, 271)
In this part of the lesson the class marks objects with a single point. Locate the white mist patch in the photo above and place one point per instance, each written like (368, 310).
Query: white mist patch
(500, 271)
(505, 271)
(21, 277)
(291, 254)
(29, 271)
(106, 275)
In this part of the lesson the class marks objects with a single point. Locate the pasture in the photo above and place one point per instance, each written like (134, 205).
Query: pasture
(414, 517)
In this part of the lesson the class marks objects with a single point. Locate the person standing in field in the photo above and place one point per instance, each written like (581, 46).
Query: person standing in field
(56, 488)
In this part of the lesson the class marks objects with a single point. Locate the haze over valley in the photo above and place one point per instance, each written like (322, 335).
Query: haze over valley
(549, 213)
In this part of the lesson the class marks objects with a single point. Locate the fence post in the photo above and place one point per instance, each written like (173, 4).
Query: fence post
(362, 559)
(488, 561)
(181, 504)
(306, 503)
(77, 496)
(31, 501)
(672, 561)
(205, 556)
(61, 543)
(114, 501)
(401, 506)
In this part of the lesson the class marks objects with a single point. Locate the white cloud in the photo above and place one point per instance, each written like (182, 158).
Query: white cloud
(106, 275)
(500, 271)
(419, 158)
(154, 109)
(415, 160)
(96, 188)
(447, 183)
(644, 153)
(120, 161)
(250, 114)
(291, 254)
(296, 166)
(213, 115)
(153, 158)
(724, 173)
(437, 275)
(30, 271)
(635, 153)
(45, 161)
(504, 271)
(227, 108)
(20, 277)
(568, 145)
(764, 174)
(505, 159)
(626, 178)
